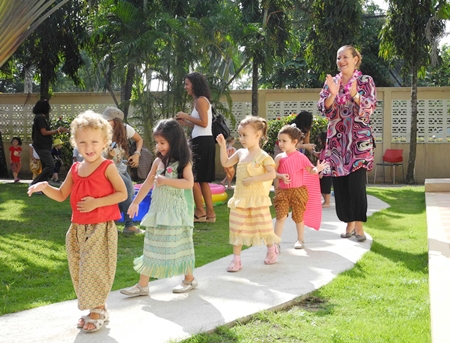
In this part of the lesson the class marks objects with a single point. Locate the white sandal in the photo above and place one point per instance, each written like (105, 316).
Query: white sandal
(98, 323)
(82, 318)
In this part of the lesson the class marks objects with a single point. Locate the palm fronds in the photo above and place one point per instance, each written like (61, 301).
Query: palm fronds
(18, 19)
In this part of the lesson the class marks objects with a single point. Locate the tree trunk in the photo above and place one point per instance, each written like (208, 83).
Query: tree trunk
(125, 94)
(3, 168)
(413, 136)
(45, 86)
(255, 88)
(28, 80)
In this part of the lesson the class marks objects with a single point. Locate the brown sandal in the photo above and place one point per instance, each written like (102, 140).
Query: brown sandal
(201, 219)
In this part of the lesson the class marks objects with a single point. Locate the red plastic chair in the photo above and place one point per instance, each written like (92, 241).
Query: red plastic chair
(391, 158)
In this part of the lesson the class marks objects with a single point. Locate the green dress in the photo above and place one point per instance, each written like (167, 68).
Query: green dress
(168, 245)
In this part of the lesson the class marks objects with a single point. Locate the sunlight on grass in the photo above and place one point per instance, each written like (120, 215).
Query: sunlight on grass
(23, 252)
(18, 206)
(384, 298)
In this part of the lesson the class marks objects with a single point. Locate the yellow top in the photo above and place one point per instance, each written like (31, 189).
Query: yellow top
(257, 194)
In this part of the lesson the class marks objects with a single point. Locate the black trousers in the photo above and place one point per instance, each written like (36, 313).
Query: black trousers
(351, 197)
(48, 164)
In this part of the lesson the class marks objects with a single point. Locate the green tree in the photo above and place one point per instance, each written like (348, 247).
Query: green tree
(373, 20)
(292, 71)
(332, 24)
(268, 25)
(405, 37)
(438, 75)
(56, 46)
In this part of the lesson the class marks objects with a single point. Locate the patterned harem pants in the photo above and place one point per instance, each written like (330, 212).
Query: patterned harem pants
(92, 255)
(295, 198)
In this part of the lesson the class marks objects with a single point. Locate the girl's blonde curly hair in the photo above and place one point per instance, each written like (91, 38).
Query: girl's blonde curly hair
(90, 120)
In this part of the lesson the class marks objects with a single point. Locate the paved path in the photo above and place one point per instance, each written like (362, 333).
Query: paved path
(220, 298)
(437, 195)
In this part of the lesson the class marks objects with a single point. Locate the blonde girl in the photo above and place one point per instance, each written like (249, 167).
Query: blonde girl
(95, 188)
(250, 218)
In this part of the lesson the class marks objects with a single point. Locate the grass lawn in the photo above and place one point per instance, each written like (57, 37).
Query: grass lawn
(384, 298)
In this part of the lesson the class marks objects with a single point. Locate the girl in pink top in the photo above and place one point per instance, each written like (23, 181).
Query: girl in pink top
(291, 191)
(95, 188)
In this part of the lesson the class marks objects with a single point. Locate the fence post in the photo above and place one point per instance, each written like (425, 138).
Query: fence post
(3, 168)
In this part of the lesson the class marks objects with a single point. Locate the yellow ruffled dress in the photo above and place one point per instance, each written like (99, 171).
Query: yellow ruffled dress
(250, 218)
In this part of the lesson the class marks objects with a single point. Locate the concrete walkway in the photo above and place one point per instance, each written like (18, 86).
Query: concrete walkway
(437, 196)
(220, 298)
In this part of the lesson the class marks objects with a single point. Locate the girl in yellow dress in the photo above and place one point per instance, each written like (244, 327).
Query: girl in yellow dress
(250, 218)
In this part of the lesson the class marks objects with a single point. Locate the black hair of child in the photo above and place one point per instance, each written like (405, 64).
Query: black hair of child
(18, 139)
(179, 151)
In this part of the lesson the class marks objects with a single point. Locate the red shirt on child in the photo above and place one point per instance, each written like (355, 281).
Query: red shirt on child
(95, 185)
(15, 157)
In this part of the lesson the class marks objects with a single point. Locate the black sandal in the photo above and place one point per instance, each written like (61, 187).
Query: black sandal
(348, 234)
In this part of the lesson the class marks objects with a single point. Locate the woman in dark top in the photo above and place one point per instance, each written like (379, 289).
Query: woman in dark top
(42, 139)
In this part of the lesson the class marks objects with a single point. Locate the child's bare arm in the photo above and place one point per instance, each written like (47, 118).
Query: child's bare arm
(186, 182)
(318, 168)
(224, 159)
(148, 183)
(268, 176)
(133, 210)
(59, 194)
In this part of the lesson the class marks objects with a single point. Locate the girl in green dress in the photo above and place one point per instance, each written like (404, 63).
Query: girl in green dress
(168, 245)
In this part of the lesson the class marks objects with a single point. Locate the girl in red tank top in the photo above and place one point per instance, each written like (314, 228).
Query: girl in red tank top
(95, 189)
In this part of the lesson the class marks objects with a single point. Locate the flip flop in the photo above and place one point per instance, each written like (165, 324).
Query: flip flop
(201, 219)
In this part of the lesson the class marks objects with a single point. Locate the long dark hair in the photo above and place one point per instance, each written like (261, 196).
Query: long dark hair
(323, 139)
(199, 85)
(42, 107)
(303, 121)
(120, 135)
(179, 150)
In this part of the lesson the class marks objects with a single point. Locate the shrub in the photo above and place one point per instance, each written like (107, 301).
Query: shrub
(67, 149)
(274, 126)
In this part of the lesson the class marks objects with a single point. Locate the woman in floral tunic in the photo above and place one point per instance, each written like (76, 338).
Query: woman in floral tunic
(348, 100)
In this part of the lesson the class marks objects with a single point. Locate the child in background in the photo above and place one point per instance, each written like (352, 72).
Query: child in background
(35, 162)
(76, 156)
(16, 152)
(56, 154)
(291, 191)
(250, 218)
(325, 181)
(229, 172)
(95, 189)
(168, 244)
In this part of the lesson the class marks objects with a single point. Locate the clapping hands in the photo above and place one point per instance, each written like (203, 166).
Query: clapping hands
(333, 87)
